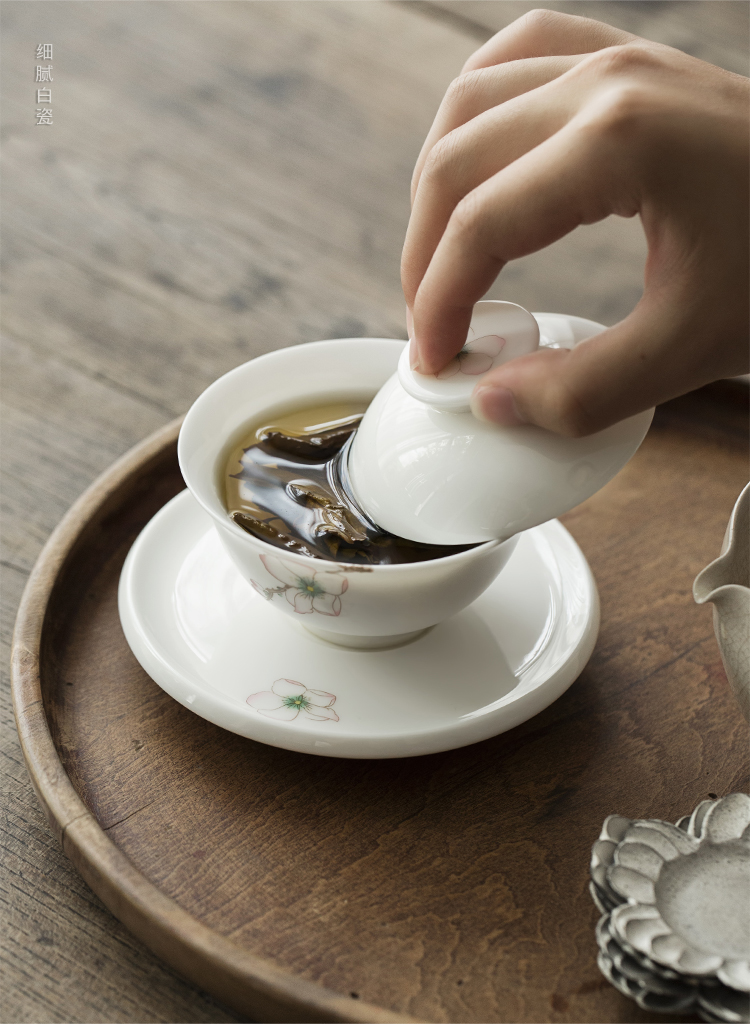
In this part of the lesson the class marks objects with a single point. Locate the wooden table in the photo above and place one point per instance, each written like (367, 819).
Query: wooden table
(221, 179)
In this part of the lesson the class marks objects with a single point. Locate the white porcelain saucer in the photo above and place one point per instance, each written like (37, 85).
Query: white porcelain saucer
(211, 642)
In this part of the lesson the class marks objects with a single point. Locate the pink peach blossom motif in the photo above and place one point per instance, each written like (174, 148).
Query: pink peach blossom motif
(306, 590)
(287, 698)
(475, 357)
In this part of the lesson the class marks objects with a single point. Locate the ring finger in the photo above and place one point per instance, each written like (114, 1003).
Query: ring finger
(472, 94)
(471, 154)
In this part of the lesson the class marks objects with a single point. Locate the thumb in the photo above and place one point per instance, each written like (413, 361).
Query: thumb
(647, 358)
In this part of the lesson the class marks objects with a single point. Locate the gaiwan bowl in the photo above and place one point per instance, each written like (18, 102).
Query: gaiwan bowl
(351, 605)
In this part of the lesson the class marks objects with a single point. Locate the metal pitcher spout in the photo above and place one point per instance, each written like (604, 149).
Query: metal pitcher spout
(725, 583)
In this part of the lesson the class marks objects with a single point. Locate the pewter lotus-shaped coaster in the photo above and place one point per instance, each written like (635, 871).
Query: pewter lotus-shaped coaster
(675, 899)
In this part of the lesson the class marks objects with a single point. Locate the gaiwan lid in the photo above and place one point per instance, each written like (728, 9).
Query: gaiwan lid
(423, 467)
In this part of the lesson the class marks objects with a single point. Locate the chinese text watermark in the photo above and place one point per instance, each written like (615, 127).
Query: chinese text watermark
(44, 74)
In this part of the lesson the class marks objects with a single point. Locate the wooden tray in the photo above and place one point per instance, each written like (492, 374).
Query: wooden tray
(448, 887)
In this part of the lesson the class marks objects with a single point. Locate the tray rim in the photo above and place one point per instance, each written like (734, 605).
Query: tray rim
(240, 979)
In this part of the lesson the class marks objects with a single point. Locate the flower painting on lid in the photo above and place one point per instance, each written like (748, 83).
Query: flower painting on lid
(475, 358)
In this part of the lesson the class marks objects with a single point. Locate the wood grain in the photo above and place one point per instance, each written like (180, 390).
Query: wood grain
(56, 602)
(221, 179)
(446, 888)
(712, 30)
(218, 182)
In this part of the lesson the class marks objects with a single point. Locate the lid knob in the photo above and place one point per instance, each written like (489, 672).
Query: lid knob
(499, 332)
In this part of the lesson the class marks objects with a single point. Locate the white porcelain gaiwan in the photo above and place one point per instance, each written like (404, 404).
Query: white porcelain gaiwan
(351, 605)
(423, 467)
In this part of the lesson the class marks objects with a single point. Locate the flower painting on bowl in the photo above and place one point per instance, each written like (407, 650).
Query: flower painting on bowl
(306, 590)
(287, 699)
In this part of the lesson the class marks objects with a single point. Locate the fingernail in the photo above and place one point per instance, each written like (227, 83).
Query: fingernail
(496, 405)
(413, 355)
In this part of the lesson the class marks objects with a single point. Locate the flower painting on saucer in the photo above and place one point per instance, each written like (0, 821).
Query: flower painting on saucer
(287, 698)
(306, 590)
(475, 357)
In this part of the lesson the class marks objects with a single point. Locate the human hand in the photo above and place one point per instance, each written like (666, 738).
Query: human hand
(559, 121)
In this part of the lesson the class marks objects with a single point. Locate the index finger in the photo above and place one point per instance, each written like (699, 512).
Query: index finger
(526, 206)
